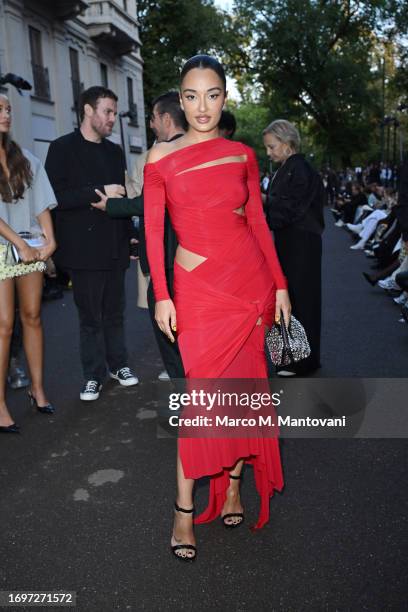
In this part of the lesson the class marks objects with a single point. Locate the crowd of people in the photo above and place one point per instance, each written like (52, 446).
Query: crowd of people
(375, 215)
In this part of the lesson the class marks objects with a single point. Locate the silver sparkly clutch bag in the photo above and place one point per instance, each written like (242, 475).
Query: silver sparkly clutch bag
(286, 346)
(11, 256)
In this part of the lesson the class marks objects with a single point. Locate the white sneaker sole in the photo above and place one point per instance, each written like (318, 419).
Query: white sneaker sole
(125, 383)
(89, 397)
(285, 373)
(163, 376)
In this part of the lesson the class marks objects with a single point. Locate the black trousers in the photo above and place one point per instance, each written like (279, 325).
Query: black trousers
(349, 212)
(169, 351)
(99, 296)
(300, 255)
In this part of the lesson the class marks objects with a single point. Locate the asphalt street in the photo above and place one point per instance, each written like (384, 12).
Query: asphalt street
(86, 495)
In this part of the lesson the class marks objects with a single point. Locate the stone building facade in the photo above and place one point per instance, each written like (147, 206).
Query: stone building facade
(62, 47)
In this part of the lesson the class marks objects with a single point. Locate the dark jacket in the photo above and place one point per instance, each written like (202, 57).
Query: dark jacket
(296, 197)
(401, 209)
(120, 208)
(87, 238)
(128, 207)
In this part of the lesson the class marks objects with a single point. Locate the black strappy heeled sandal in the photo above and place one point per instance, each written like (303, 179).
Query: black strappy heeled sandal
(186, 547)
(238, 515)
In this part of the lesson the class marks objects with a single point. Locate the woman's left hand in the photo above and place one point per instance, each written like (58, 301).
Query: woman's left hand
(47, 250)
(283, 304)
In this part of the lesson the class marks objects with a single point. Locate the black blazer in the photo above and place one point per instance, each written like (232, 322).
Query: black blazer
(128, 207)
(87, 238)
(296, 197)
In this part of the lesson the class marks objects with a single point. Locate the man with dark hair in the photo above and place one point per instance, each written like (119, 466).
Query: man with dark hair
(167, 115)
(91, 245)
(168, 123)
(91, 96)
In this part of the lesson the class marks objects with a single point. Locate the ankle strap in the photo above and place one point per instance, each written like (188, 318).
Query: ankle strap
(235, 477)
(179, 509)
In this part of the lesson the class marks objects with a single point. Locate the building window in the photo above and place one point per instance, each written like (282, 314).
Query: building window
(40, 72)
(2, 87)
(125, 5)
(132, 104)
(104, 75)
(77, 86)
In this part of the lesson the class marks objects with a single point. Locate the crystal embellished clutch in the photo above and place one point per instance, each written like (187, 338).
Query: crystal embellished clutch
(287, 345)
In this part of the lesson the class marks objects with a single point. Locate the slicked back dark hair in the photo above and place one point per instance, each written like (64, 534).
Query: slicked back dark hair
(202, 62)
(92, 95)
(169, 102)
(228, 122)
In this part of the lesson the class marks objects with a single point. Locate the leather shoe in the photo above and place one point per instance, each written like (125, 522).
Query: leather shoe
(48, 409)
(13, 428)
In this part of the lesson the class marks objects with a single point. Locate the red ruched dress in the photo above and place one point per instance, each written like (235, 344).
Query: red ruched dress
(219, 302)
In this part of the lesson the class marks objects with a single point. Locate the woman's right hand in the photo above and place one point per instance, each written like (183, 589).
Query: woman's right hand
(28, 254)
(165, 315)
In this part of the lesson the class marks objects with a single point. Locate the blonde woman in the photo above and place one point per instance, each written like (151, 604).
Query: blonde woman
(295, 201)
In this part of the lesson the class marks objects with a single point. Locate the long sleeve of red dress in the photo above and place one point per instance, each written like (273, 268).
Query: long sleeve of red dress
(257, 222)
(154, 209)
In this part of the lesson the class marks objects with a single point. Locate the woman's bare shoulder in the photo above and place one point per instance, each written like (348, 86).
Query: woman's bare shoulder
(160, 150)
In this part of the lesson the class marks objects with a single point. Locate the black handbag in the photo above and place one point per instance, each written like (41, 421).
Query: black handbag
(287, 345)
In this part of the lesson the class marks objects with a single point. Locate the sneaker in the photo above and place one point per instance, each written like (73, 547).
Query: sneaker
(339, 223)
(389, 284)
(355, 228)
(90, 391)
(401, 299)
(125, 377)
(163, 375)
(359, 246)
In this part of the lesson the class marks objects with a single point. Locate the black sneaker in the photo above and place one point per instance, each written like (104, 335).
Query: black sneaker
(125, 377)
(90, 391)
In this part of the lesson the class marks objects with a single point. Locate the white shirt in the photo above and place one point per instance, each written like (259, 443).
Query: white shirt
(22, 215)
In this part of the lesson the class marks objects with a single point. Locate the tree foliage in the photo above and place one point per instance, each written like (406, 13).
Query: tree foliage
(312, 60)
(171, 32)
(334, 67)
(252, 118)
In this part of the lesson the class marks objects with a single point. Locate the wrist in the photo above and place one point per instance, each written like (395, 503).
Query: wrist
(19, 244)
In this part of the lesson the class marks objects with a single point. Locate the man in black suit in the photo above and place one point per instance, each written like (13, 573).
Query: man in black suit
(168, 123)
(91, 245)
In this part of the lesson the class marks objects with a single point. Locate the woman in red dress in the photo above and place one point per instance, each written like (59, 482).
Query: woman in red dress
(228, 286)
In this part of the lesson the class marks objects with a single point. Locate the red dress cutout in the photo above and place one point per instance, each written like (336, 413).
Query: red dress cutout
(219, 302)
